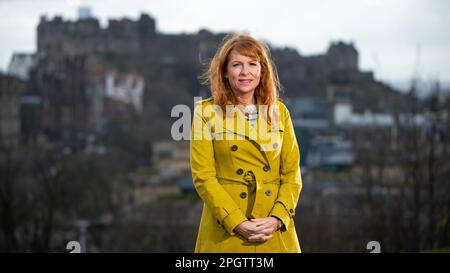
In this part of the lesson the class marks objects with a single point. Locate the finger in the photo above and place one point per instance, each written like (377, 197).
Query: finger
(265, 226)
(256, 228)
(256, 237)
(269, 222)
(265, 238)
(268, 231)
(260, 239)
(260, 223)
(259, 220)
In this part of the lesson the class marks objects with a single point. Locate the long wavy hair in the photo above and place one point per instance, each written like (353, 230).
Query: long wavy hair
(268, 88)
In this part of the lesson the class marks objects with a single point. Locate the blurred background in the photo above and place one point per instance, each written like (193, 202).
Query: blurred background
(87, 88)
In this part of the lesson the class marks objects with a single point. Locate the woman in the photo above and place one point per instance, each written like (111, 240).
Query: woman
(244, 155)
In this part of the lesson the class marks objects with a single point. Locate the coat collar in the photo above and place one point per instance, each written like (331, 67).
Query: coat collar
(236, 122)
(260, 135)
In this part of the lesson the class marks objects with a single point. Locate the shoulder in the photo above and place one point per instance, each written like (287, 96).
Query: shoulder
(200, 105)
(205, 107)
(205, 102)
(282, 107)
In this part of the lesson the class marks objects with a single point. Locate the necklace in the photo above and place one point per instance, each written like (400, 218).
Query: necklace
(251, 113)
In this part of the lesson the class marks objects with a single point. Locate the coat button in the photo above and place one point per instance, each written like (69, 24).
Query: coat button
(218, 222)
(266, 168)
(291, 210)
(243, 195)
(268, 192)
(234, 148)
(275, 145)
(240, 171)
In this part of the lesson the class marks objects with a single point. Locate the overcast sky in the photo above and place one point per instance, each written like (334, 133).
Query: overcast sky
(387, 33)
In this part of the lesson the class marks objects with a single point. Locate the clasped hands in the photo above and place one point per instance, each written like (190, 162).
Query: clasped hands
(258, 230)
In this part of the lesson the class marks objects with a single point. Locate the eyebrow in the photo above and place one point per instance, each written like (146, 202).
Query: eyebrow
(236, 61)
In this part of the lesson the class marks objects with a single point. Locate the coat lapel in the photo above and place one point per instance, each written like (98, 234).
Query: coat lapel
(236, 123)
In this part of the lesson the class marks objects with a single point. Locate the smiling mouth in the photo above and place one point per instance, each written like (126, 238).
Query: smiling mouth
(245, 81)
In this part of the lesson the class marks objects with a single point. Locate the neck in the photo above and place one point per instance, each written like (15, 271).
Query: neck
(246, 99)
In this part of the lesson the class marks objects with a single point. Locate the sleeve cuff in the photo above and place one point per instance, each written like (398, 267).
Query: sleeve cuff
(232, 220)
(280, 212)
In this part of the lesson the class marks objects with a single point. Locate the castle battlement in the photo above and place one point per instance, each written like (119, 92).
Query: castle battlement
(64, 37)
(139, 40)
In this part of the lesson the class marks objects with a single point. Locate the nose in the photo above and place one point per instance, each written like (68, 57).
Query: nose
(244, 70)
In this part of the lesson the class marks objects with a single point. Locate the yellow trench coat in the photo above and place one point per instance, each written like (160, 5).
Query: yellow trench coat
(221, 158)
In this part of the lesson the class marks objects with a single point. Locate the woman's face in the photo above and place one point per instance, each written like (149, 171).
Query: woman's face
(243, 73)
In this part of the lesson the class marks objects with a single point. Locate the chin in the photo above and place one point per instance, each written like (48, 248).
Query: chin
(246, 89)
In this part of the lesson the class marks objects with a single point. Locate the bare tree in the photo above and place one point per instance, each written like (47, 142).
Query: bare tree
(9, 170)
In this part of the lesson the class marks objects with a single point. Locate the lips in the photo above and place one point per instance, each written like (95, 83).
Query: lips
(245, 81)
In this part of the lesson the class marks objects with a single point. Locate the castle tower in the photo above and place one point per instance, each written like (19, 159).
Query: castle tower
(342, 56)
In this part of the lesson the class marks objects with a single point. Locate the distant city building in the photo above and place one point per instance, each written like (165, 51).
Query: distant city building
(114, 94)
(10, 91)
(171, 158)
(309, 113)
(128, 88)
(21, 65)
(332, 152)
(344, 116)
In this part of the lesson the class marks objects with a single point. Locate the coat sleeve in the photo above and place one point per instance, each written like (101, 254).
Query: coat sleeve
(204, 177)
(291, 182)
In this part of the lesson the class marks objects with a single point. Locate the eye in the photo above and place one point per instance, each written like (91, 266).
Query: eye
(253, 64)
(235, 65)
